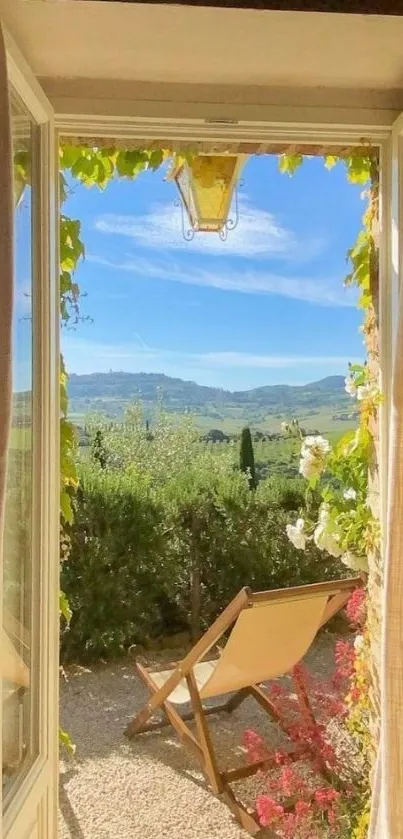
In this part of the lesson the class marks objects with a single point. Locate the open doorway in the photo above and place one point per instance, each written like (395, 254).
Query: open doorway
(257, 334)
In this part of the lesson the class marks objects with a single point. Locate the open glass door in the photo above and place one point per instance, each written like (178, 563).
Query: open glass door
(29, 630)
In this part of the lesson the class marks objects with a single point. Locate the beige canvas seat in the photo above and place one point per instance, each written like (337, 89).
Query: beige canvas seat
(271, 632)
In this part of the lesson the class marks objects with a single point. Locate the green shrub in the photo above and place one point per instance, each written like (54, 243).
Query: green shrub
(117, 565)
(285, 493)
(151, 559)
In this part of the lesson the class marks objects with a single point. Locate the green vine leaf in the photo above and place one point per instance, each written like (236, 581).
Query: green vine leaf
(156, 159)
(331, 160)
(69, 155)
(64, 608)
(66, 507)
(66, 741)
(359, 168)
(289, 163)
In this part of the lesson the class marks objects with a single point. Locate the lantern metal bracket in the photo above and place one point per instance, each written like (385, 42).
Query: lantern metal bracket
(188, 232)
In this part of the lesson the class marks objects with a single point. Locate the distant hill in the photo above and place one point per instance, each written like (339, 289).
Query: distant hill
(323, 405)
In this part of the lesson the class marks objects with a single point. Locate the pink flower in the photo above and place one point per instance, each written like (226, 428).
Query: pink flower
(288, 780)
(302, 809)
(325, 798)
(268, 810)
(255, 746)
(345, 658)
(356, 608)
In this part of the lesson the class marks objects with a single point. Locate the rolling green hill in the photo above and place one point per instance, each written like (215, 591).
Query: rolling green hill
(322, 406)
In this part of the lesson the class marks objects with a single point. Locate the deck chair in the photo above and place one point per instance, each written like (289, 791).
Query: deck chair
(272, 631)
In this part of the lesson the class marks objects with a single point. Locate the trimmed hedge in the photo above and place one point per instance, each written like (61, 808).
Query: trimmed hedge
(146, 563)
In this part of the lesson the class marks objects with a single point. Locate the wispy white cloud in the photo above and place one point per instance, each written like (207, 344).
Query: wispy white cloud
(270, 362)
(258, 234)
(207, 368)
(320, 291)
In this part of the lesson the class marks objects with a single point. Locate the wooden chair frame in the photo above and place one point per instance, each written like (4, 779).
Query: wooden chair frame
(201, 745)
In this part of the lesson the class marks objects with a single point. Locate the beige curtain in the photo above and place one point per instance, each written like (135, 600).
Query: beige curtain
(6, 274)
(387, 804)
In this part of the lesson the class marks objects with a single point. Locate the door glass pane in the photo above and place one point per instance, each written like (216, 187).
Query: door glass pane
(20, 744)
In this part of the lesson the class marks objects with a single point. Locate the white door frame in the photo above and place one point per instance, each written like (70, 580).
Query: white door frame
(32, 808)
(325, 130)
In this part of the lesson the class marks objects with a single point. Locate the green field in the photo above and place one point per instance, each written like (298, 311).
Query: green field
(320, 406)
(322, 421)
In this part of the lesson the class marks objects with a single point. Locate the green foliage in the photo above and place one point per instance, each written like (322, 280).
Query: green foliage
(116, 568)
(363, 821)
(287, 494)
(359, 165)
(66, 741)
(164, 538)
(289, 163)
(247, 458)
(71, 251)
(64, 608)
(98, 452)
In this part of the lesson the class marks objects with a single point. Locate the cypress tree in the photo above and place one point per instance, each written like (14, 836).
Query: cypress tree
(247, 457)
(98, 450)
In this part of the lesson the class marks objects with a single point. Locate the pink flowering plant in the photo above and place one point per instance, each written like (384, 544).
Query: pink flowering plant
(315, 784)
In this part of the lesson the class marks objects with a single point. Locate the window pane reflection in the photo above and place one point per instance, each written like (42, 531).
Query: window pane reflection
(19, 724)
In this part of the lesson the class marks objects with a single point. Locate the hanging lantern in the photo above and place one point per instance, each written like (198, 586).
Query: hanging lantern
(206, 187)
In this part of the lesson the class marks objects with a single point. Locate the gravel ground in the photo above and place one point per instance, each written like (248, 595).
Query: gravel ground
(149, 788)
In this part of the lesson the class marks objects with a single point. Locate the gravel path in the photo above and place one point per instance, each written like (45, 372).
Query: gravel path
(148, 788)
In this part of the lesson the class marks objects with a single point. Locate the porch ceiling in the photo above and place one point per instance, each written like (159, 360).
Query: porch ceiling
(352, 7)
(105, 39)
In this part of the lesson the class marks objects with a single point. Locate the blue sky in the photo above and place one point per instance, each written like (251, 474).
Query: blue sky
(266, 307)
(22, 325)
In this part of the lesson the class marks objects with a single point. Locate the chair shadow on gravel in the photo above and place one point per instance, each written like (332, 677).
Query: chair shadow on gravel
(66, 807)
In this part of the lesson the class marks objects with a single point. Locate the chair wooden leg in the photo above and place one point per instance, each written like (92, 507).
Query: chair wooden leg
(267, 705)
(141, 722)
(246, 819)
(155, 703)
(206, 745)
(156, 725)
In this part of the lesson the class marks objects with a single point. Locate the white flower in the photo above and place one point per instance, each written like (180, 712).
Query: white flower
(368, 391)
(350, 386)
(326, 537)
(350, 494)
(317, 442)
(324, 514)
(296, 535)
(327, 541)
(356, 563)
(358, 643)
(313, 456)
(285, 427)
